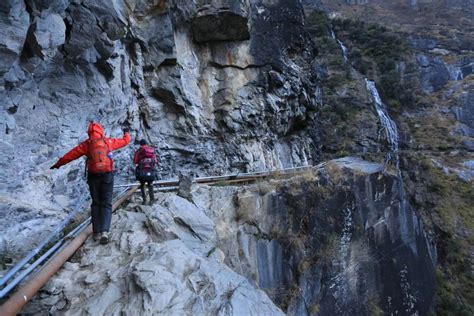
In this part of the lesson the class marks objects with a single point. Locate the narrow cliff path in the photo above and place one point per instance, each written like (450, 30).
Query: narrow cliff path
(285, 244)
(63, 249)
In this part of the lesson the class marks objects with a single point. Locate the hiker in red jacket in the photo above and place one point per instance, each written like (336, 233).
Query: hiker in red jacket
(100, 177)
(145, 172)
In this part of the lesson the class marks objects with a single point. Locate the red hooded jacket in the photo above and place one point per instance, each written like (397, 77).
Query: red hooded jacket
(95, 131)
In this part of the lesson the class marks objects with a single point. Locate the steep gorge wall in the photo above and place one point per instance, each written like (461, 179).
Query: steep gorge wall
(336, 242)
(421, 57)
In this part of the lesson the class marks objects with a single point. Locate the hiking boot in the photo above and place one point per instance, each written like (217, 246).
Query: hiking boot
(96, 236)
(104, 238)
(151, 201)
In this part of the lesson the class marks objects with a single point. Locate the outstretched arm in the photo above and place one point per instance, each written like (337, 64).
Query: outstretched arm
(116, 143)
(75, 153)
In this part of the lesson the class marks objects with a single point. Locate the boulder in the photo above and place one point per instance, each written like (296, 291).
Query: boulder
(148, 271)
(434, 73)
(83, 33)
(14, 23)
(48, 33)
(55, 6)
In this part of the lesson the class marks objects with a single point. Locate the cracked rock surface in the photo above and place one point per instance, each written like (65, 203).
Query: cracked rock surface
(329, 239)
(162, 259)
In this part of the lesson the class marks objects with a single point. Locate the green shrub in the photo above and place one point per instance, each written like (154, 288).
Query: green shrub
(453, 203)
(375, 44)
(317, 24)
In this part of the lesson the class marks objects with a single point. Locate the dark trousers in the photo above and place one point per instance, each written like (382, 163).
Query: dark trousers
(150, 190)
(101, 186)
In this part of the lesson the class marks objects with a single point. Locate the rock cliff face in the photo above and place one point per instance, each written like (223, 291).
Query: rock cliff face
(224, 86)
(330, 243)
(213, 98)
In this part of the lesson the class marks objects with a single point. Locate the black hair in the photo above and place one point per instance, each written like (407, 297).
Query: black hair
(142, 142)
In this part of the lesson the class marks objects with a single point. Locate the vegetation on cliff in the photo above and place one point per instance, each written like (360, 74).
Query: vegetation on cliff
(432, 150)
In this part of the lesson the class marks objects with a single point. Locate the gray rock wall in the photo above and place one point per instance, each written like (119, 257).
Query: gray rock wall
(237, 101)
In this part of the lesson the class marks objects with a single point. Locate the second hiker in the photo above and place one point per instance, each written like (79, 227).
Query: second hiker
(145, 172)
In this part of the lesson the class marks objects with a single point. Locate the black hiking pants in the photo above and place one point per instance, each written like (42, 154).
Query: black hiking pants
(101, 186)
(150, 190)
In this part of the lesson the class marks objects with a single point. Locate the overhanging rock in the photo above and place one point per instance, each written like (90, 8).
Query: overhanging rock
(220, 24)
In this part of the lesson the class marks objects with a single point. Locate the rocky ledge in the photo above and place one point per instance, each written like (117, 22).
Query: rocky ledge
(336, 239)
